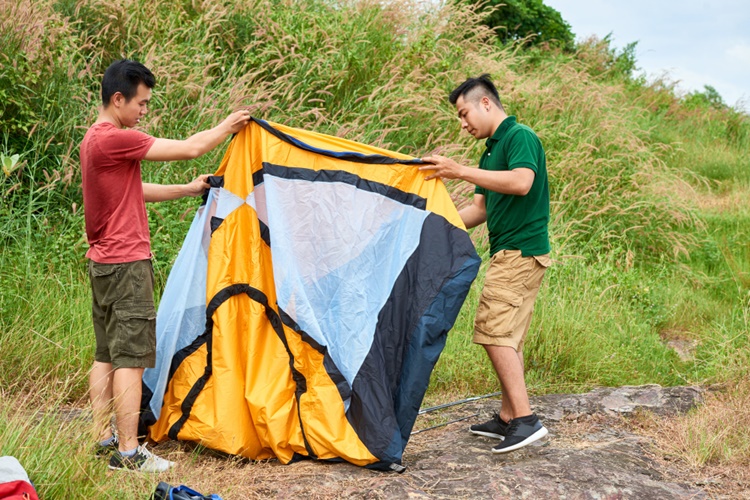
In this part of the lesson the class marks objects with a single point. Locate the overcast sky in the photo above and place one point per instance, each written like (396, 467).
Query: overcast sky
(697, 42)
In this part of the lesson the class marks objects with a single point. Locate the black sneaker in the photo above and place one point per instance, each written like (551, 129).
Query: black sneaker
(143, 461)
(521, 431)
(101, 450)
(493, 428)
(105, 451)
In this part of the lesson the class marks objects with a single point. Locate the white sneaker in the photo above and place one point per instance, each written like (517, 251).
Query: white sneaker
(143, 461)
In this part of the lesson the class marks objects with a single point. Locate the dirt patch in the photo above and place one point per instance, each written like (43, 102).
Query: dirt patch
(731, 201)
(681, 342)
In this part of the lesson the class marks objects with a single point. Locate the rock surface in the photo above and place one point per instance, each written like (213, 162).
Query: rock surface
(587, 455)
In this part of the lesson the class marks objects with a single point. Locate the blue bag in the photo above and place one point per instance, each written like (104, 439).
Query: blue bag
(165, 491)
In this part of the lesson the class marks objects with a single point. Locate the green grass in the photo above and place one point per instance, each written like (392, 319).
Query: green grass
(592, 326)
(45, 331)
(649, 212)
(52, 439)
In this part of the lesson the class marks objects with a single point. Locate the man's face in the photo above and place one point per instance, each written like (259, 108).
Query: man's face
(475, 118)
(133, 110)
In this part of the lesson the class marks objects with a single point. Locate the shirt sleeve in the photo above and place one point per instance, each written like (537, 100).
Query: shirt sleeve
(128, 144)
(523, 150)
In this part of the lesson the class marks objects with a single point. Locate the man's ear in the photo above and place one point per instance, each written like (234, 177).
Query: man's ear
(485, 103)
(117, 99)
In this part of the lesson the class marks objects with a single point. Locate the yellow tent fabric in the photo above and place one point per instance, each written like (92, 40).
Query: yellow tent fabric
(327, 274)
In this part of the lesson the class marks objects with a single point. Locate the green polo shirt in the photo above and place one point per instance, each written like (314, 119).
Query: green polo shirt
(517, 222)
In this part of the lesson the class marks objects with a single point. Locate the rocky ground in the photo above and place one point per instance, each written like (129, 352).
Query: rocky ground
(589, 454)
(593, 451)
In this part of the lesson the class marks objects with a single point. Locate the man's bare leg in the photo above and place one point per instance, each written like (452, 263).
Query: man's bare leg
(508, 365)
(100, 393)
(126, 388)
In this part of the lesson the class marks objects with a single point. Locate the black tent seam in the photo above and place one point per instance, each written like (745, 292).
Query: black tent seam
(346, 155)
(273, 317)
(214, 181)
(265, 232)
(184, 353)
(344, 177)
(338, 379)
(214, 223)
(258, 178)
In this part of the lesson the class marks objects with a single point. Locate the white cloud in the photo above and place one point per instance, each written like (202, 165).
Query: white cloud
(739, 53)
(694, 41)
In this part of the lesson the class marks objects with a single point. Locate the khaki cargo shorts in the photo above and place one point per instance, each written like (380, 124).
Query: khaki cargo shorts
(124, 314)
(507, 302)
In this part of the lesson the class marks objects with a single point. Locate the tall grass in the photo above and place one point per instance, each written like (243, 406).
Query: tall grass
(370, 72)
(52, 439)
(711, 441)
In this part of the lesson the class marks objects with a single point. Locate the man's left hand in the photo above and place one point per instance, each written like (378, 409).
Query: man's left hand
(440, 166)
(198, 186)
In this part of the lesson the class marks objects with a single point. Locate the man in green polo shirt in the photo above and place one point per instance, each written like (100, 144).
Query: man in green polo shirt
(512, 197)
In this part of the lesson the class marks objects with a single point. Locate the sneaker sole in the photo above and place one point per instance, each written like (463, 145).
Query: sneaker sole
(487, 434)
(534, 437)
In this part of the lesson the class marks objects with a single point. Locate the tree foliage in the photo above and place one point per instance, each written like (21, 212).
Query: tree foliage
(518, 19)
(710, 97)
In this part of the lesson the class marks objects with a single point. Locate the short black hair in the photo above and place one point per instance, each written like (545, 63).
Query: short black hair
(482, 84)
(124, 76)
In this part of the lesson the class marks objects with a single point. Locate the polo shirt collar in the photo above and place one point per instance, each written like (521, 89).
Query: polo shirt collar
(501, 130)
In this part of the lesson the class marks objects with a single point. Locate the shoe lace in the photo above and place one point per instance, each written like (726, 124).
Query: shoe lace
(513, 427)
(143, 451)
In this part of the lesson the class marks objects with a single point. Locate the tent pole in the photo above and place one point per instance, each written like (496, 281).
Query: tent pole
(459, 402)
(445, 423)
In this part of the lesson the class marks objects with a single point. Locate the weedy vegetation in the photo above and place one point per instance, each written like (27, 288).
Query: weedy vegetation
(651, 281)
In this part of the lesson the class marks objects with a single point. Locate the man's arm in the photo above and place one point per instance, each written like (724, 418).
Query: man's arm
(517, 181)
(165, 192)
(474, 214)
(197, 144)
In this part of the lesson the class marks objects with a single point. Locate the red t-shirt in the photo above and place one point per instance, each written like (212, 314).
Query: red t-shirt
(114, 207)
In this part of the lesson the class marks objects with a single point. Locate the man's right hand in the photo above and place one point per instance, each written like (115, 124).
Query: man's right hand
(237, 121)
(200, 143)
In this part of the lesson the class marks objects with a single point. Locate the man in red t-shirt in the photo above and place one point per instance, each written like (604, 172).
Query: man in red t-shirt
(120, 269)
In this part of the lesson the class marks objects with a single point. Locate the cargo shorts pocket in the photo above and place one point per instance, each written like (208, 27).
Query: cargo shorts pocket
(136, 328)
(497, 312)
(101, 270)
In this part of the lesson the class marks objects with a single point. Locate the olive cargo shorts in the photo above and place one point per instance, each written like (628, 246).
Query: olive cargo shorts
(124, 314)
(507, 302)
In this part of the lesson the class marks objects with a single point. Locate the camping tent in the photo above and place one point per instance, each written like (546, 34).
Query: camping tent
(309, 303)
